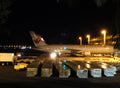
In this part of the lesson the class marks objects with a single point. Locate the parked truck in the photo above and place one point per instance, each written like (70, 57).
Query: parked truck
(6, 58)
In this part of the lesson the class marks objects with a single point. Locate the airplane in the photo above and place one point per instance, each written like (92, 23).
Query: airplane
(85, 50)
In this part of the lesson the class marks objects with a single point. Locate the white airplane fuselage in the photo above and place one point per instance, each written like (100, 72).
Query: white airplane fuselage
(93, 49)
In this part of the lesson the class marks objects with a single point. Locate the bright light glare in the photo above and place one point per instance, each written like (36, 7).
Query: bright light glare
(88, 36)
(79, 66)
(42, 39)
(59, 53)
(53, 55)
(88, 65)
(19, 54)
(12, 54)
(80, 38)
(103, 66)
(103, 31)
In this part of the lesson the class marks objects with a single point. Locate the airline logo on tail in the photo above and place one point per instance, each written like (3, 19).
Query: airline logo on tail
(37, 39)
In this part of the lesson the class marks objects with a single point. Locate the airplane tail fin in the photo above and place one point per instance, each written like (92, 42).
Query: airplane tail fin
(37, 39)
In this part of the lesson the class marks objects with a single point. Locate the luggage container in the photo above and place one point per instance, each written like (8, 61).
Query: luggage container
(96, 72)
(79, 68)
(46, 69)
(64, 71)
(32, 69)
(94, 69)
(7, 59)
(108, 70)
(31, 72)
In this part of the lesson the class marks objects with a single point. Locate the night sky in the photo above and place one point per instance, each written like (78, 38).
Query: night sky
(56, 21)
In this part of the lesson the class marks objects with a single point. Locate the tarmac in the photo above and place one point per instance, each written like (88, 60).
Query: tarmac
(11, 78)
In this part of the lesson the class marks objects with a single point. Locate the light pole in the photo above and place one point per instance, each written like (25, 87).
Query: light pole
(104, 36)
(80, 38)
(88, 37)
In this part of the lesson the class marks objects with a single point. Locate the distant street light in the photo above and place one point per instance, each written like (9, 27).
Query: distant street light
(88, 37)
(104, 38)
(80, 38)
